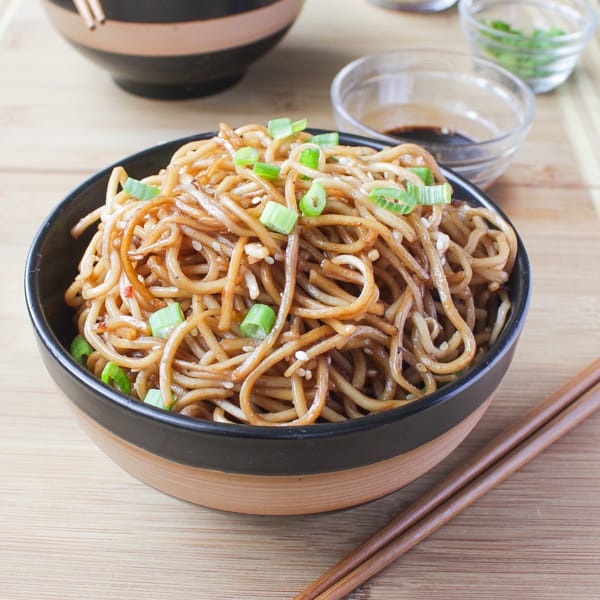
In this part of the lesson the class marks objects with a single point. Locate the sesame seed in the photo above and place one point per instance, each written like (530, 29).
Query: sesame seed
(269, 260)
(301, 355)
(228, 385)
(256, 250)
(247, 348)
(442, 242)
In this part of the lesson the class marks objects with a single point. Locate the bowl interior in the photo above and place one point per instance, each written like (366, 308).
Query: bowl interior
(395, 101)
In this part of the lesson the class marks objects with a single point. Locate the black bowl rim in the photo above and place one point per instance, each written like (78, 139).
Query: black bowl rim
(505, 342)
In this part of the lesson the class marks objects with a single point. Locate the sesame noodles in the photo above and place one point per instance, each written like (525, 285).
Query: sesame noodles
(374, 309)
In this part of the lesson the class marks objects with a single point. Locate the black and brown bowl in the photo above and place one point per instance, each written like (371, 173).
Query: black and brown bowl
(178, 48)
(243, 468)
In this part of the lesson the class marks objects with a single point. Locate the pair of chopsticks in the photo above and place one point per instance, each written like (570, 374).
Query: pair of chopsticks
(515, 447)
(91, 12)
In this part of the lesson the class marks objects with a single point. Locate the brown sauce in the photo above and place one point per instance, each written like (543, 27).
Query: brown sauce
(424, 134)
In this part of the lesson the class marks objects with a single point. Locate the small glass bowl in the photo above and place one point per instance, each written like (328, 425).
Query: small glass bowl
(415, 5)
(470, 113)
(544, 59)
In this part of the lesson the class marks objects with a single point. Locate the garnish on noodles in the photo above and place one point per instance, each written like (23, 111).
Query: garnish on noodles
(272, 277)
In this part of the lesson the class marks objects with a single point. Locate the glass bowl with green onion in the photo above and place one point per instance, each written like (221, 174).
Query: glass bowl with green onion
(540, 41)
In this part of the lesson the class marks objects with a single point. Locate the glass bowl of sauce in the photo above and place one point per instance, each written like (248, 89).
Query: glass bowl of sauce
(470, 113)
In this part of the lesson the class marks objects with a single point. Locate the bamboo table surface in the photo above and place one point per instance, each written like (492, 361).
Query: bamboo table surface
(73, 525)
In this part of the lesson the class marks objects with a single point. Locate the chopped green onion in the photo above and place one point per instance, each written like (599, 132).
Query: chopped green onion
(538, 38)
(113, 375)
(326, 139)
(284, 127)
(155, 398)
(140, 190)
(424, 173)
(81, 349)
(246, 156)
(280, 128)
(519, 51)
(299, 125)
(310, 157)
(404, 202)
(401, 202)
(314, 201)
(277, 217)
(163, 321)
(258, 322)
(266, 170)
(430, 194)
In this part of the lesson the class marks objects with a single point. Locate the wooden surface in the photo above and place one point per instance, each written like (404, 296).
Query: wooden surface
(73, 525)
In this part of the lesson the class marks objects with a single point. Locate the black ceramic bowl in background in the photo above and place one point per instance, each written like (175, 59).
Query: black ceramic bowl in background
(176, 48)
(268, 470)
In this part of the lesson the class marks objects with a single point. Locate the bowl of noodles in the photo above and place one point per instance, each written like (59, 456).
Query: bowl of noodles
(274, 319)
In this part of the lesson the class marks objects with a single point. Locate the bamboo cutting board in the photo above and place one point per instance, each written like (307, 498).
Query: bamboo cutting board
(75, 526)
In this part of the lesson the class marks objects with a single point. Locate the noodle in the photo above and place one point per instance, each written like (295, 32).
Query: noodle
(373, 309)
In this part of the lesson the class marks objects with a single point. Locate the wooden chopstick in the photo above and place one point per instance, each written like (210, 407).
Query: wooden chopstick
(509, 451)
(97, 11)
(91, 12)
(86, 14)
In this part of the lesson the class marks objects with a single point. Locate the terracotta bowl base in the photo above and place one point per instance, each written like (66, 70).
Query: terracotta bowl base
(279, 494)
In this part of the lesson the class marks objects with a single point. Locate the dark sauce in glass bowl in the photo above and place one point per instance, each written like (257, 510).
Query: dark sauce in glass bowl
(425, 134)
